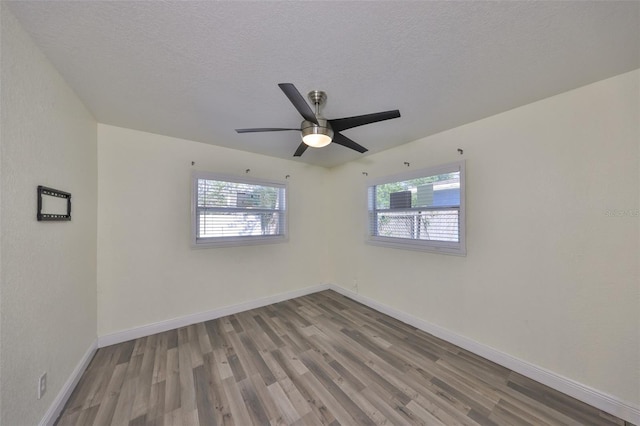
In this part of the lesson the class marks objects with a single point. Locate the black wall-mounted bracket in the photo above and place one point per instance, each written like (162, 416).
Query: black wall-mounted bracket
(51, 216)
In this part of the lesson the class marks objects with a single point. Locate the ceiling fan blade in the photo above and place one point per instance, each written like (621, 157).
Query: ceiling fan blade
(341, 139)
(298, 101)
(340, 124)
(301, 149)
(264, 129)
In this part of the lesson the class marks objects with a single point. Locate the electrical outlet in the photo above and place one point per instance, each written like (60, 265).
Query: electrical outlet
(42, 385)
(355, 285)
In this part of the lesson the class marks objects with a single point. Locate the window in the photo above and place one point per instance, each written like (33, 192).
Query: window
(236, 211)
(421, 210)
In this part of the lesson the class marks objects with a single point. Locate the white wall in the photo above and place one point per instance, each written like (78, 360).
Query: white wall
(48, 270)
(549, 278)
(147, 270)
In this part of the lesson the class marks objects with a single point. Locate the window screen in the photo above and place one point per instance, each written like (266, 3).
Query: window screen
(237, 211)
(421, 210)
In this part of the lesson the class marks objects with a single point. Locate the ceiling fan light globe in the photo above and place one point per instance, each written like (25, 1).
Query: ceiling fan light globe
(316, 140)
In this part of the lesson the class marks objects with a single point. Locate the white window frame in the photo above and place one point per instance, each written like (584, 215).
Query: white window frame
(444, 247)
(236, 240)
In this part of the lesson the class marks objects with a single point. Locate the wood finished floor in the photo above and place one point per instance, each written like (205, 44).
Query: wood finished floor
(317, 359)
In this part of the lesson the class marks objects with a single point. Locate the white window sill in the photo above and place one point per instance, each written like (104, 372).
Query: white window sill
(454, 249)
(238, 241)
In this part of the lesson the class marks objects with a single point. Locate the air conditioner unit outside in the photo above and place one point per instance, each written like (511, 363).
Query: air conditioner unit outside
(400, 200)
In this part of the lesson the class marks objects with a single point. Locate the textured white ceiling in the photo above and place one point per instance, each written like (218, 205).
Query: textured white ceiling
(198, 70)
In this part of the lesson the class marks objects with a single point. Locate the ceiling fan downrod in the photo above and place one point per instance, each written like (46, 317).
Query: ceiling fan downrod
(317, 98)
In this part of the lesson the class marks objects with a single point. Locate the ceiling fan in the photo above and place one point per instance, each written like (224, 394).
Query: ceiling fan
(318, 131)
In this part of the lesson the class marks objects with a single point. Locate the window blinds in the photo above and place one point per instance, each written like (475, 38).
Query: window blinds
(227, 209)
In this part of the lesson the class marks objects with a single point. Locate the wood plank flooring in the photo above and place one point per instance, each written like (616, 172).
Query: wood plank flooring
(321, 359)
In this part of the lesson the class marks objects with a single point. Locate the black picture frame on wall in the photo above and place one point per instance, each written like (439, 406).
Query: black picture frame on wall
(44, 191)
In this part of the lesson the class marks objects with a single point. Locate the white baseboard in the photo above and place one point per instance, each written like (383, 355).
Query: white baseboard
(63, 396)
(159, 327)
(610, 404)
